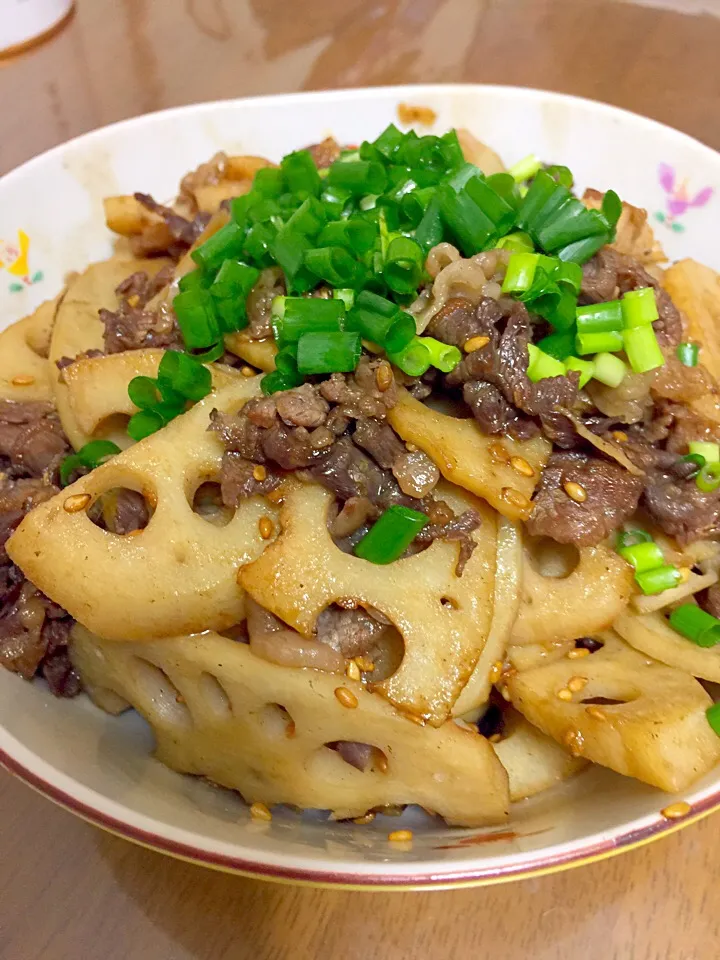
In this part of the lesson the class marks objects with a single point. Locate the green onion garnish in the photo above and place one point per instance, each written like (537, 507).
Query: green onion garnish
(609, 369)
(520, 272)
(586, 369)
(609, 342)
(390, 535)
(443, 356)
(688, 354)
(358, 177)
(414, 358)
(559, 345)
(294, 316)
(328, 352)
(518, 242)
(708, 479)
(226, 244)
(403, 265)
(230, 290)
(526, 168)
(90, 456)
(695, 624)
(355, 234)
(332, 264)
(600, 317)
(643, 350)
(643, 556)
(346, 295)
(628, 538)
(183, 375)
(143, 423)
(144, 392)
(301, 174)
(658, 580)
(713, 717)
(197, 319)
(695, 459)
(542, 365)
(639, 307)
(381, 321)
(710, 452)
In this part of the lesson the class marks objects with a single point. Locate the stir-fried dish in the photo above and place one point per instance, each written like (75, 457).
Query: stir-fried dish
(381, 476)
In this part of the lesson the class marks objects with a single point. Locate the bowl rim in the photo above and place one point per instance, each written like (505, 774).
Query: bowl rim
(417, 875)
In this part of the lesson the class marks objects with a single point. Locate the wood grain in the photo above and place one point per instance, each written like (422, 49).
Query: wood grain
(68, 891)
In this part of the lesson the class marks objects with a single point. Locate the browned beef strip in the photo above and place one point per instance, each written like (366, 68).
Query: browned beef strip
(709, 600)
(271, 284)
(609, 274)
(351, 632)
(358, 755)
(349, 472)
(459, 320)
(183, 230)
(680, 508)
(612, 498)
(380, 441)
(132, 328)
(503, 362)
(325, 153)
(459, 528)
(31, 437)
(123, 510)
(493, 412)
(302, 407)
(237, 481)
(140, 287)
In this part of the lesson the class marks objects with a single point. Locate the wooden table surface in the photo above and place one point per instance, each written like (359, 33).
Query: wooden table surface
(69, 891)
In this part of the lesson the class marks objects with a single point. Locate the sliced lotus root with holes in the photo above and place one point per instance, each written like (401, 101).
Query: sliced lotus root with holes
(219, 711)
(556, 608)
(466, 456)
(508, 580)
(534, 761)
(651, 634)
(178, 575)
(624, 711)
(97, 389)
(78, 328)
(443, 619)
(25, 373)
(258, 353)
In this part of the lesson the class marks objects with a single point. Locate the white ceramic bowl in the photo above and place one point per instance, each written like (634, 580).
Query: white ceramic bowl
(100, 767)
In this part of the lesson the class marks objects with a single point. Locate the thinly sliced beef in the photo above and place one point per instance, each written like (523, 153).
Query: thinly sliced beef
(612, 498)
(460, 529)
(709, 600)
(351, 632)
(31, 438)
(139, 288)
(132, 328)
(325, 153)
(182, 230)
(459, 320)
(238, 481)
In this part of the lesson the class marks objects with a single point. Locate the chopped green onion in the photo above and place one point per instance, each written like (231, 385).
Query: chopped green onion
(274, 382)
(389, 141)
(639, 307)
(183, 375)
(709, 451)
(586, 369)
(195, 280)
(600, 317)
(414, 359)
(210, 355)
(381, 321)
(688, 354)
(328, 352)
(258, 241)
(542, 365)
(226, 244)
(627, 538)
(526, 168)
(697, 460)
(230, 290)
(708, 480)
(195, 312)
(713, 717)
(658, 580)
(301, 174)
(403, 265)
(443, 356)
(695, 624)
(294, 316)
(359, 177)
(346, 295)
(289, 250)
(143, 423)
(561, 175)
(609, 369)
(309, 218)
(429, 232)
(269, 182)
(609, 342)
(90, 456)
(143, 391)
(518, 242)
(559, 345)
(390, 535)
(643, 350)
(356, 235)
(332, 264)
(520, 272)
(643, 556)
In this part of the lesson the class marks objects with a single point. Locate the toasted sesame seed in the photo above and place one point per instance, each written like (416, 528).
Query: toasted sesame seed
(352, 670)
(134, 300)
(521, 466)
(366, 665)
(411, 448)
(77, 502)
(475, 343)
(266, 527)
(23, 380)
(575, 491)
(595, 712)
(515, 498)
(676, 810)
(574, 741)
(495, 738)
(505, 693)
(290, 729)
(620, 436)
(346, 697)
(276, 496)
(365, 818)
(179, 698)
(383, 376)
(134, 533)
(260, 811)
(685, 574)
(380, 762)
(577, 652)
(575, 684)
(259, 473)
(498, 453)
(564, 694)
(495, 671)
(400, 836)
(247, 372)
